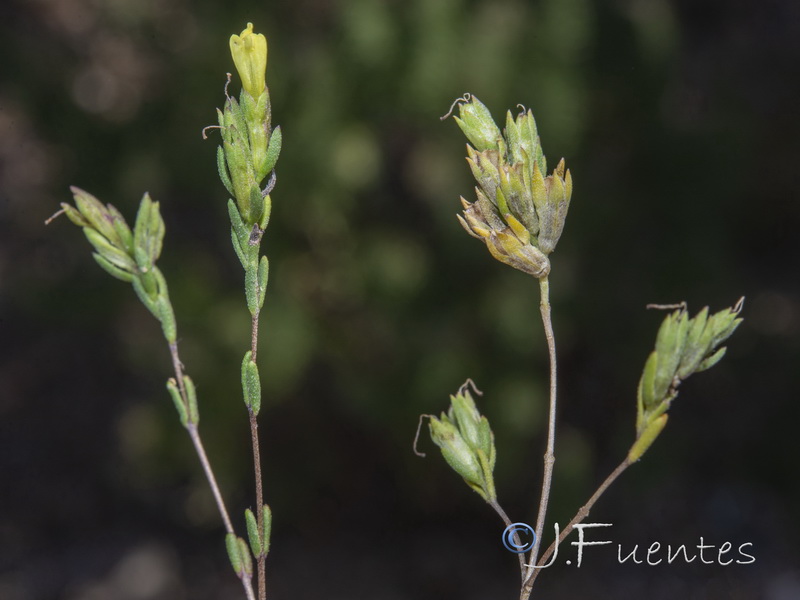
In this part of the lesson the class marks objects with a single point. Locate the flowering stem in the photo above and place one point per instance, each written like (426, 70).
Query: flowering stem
(549, 456)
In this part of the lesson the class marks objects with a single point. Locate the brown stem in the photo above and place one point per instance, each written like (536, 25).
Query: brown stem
(261, 558)
(254, 334)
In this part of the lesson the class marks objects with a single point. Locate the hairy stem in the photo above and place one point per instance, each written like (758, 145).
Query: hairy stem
(261, 558)
(578, 518)
(549, 456)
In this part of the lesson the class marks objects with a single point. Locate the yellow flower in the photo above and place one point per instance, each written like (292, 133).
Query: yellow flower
(249, 51)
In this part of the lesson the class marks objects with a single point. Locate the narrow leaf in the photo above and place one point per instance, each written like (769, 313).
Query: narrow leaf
(645, 440)
(191, 394)
(112, 269)
(252, 532)
(175, 394)
(234, 553)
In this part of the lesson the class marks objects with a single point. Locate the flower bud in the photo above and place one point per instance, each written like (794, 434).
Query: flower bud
(478, 125)
(551, 197)
(456, 451)
(467, 443)
(249, 51)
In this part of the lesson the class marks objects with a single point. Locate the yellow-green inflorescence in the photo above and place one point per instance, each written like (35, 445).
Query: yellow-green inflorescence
(520, 210)
(250, 147)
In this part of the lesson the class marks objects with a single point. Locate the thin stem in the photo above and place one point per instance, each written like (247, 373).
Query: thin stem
(254, 334)
(194, 434)
(248, 589)
(549, 456)
(499, 510)
(212, 481)
(261, 558)
(578, 518)
(198, 444)
(178, 366)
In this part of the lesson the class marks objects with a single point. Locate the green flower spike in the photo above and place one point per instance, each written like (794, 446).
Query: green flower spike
(250, 147)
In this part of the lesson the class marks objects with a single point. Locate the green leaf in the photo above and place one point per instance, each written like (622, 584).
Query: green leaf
(711, 360)
(191, 396)
(74, 215)
(156, 231)
(488, 489)
(273, 152)
(267, 531)
(237, 247)
(244, 552)
(251, 383)
(263, 278)
(256, 205)
(113, 270)
(175, 394)
(670, 341)
(148, 233)
(512, 136)
(222, 169)
(695, 349)
(141, 238)
(251, 287)
(478, 125)
(145, 297)
(111, 253)
(252, 532)
(236, 222)
(93, 211)
(234, 553)
(648, 394)
(467, 418)
(266, 212)
(645, 440)
(457, 452)
(122, 229)
(164, 310)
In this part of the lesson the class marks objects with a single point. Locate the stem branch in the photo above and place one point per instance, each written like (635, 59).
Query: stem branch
(578, 518)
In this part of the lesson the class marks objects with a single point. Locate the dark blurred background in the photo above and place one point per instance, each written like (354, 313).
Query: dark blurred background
(679, 120)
